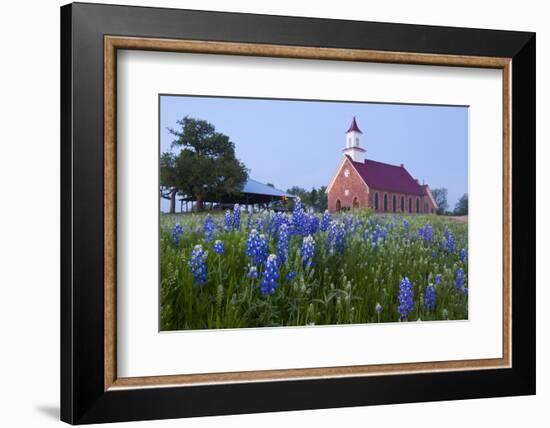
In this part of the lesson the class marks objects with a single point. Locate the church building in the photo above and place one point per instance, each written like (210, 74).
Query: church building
(364, 183)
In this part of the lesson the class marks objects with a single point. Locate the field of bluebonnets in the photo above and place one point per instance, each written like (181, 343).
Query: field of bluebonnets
(237, 269)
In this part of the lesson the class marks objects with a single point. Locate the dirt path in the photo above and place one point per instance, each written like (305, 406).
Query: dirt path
(461, 218)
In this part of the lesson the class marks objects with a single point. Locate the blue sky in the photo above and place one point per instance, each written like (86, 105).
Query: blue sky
(300, 143)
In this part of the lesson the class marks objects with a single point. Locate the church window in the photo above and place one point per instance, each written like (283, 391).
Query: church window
(376, 201)
(385, 202)
(394, 204)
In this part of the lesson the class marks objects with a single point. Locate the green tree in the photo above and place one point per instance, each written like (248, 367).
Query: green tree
(168, 179)
(298, 191)
(312, 198)
(461, 207)
(322, 199)
(440, 196)
(315, 198)
(205, 167)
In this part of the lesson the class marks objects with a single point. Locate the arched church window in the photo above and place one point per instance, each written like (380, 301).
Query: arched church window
(376, 201)
(394, 204)
(410, 204)
(402, 204)
(385, 202)
(417, 205)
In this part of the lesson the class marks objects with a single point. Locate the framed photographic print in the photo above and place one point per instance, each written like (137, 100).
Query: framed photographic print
(266, 213)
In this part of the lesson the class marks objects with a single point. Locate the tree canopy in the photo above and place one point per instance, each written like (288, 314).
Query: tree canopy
(440, 196)
(315, 199)
(203, 166)
(461, 207)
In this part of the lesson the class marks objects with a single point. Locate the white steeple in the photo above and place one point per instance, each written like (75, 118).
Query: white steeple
(353, 148)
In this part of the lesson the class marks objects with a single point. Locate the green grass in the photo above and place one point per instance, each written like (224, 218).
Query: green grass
(337, 289)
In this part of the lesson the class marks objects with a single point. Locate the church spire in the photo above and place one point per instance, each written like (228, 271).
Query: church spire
(354, 127)
(353, 148)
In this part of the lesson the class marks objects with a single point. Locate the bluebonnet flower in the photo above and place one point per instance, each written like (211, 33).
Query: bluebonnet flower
(308, 250)
(366, 234)
(178, 230)
(406, 225)
(378, 309)
(228, 221)
(262, 250)
(434, 254)
(256, 247)
(438, 279)
(252, 271)
(405, 298)
(325, 222)
(291, 275)
(430, 298)
(299, 220)
(209, 227)
(348, 222)
(450, 244)
(276, 222)
(282, 244)
(312, 224)
(236, 217)
(336, 237)
(270, 276)
(298, 204)
(259, 223)
(459, 279)
(219, 247)
(426, 232)
(463, 255)
(197, 264)
(379, 233)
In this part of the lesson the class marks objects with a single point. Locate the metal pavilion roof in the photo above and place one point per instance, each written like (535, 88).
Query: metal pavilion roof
(256, 188)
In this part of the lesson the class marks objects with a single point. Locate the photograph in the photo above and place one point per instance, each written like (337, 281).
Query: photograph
(280, 212)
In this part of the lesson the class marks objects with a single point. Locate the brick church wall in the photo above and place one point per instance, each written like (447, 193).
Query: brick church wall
(355, 186)
(358, 190)
(424, 203)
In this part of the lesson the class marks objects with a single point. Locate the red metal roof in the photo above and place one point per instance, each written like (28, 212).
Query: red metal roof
(383, 176)
(354, 127)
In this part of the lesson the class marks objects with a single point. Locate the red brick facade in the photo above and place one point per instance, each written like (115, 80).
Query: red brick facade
(357, 189)
(348, 191)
